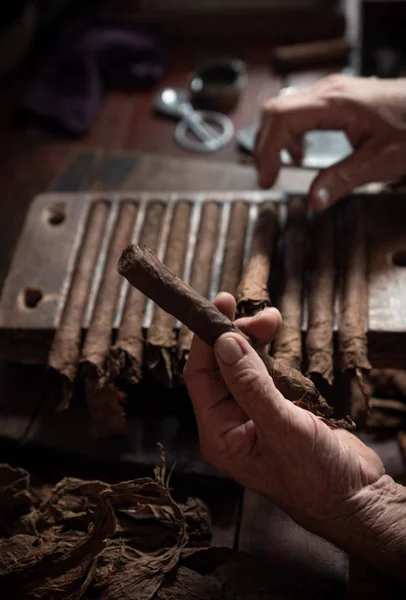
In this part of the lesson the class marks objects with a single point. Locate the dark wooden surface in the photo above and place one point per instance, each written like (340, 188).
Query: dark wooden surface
(30, 164)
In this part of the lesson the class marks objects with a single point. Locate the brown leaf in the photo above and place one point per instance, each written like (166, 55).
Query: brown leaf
(56, 565)
(15, 496)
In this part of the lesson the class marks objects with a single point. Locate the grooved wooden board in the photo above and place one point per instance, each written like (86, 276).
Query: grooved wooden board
(39, 278)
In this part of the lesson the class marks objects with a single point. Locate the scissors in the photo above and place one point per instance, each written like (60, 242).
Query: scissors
(175, 103)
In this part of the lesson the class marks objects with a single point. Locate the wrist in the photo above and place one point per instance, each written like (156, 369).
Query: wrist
(372, 526)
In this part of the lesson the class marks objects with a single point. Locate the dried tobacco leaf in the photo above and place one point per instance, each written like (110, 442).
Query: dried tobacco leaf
(91, 537)
(87, 539)
(15, 494)
(56, 564)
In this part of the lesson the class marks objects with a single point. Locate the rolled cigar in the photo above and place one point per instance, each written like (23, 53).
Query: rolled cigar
(353, 317)
(234, 250)
(252, 293)
(126, 357)
(147, 273)
(319, 337)
(105, 408)
(287, 346)
(352, 336)
(162, 337)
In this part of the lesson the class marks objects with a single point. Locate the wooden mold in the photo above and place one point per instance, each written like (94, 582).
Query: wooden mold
(66, 255)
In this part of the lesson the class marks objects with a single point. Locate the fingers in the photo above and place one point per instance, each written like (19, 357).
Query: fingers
(371, 162)
(249, 382)
(284, 122)
(201, 356)
(226, 304)
(204, 382)
(263, 327)
(216, 411)
(295, 149)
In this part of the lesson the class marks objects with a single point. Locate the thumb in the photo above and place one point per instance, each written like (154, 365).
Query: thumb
(248, 380)
(343, 177)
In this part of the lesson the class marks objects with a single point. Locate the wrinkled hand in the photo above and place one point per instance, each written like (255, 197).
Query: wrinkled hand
(372, 113)
(248, 430)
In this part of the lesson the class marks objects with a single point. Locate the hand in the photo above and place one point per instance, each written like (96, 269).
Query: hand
(325, 479)
(372, 113)
(248, 430)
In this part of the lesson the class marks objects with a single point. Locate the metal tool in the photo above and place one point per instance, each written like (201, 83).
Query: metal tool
(175, 103)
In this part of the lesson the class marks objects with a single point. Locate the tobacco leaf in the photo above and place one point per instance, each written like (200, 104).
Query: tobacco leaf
(124, 363)
(90, 537)
(128, 540)
(56, 563)
(104, 402)
(15, 495)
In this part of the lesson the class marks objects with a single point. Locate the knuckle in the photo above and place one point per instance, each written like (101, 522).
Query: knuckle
(247, 382)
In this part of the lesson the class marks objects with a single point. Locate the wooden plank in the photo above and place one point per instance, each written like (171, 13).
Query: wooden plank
(269, 534)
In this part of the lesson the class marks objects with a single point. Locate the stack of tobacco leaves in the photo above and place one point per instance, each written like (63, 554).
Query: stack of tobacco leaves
(89, 539)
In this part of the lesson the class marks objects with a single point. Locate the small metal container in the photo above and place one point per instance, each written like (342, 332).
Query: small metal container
(217, 83)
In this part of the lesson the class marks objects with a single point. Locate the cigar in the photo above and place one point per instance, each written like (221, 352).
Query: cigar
(252, 293)
(105, 408)
(147, 273)
(287, 346)
(234, 251)
(353, 317)
(162, 337)
(126, 356)
(319, 337)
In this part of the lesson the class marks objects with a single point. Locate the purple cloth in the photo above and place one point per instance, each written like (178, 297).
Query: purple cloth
(88, 59)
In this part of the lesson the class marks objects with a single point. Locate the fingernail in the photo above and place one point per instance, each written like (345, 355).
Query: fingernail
(229, 350)
(323, 196)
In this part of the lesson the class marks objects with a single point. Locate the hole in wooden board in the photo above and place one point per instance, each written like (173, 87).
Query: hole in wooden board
(56, 214)
(399, 258)
(32, 297)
